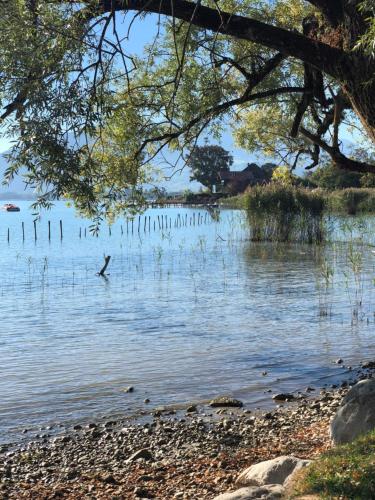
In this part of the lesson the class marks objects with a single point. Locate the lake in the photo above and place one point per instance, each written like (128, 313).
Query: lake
(190, 309)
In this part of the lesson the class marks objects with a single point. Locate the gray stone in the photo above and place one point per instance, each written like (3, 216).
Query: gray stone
(267, 492)
(283, 397)
(225, 401)
(274, 471)
(356, 415)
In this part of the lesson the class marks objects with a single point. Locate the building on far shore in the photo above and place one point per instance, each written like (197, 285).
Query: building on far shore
(237, 181)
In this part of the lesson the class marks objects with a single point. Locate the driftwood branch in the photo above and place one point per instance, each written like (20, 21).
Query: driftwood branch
(103, 269)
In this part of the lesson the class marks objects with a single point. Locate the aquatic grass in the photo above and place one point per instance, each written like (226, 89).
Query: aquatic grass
(324, 284)
(285, 214)
(351, 201)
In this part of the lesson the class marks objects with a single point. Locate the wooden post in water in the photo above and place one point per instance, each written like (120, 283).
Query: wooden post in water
(35, 235)
(23, 231)
(122, 231)
(85, 232)
(61, 230)
(109, 231)
(49, 230)
(80, 232)
(144, 225)
(8, 234)
(149, 223)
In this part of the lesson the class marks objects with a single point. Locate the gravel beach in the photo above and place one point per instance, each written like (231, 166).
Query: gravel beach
(195, 457)
(194, 454)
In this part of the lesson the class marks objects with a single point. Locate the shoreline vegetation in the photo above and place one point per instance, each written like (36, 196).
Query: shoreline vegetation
(287, 213)
(196, 456)
(348, 201)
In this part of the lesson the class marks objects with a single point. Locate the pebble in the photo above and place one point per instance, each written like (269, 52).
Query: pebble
(283, 397)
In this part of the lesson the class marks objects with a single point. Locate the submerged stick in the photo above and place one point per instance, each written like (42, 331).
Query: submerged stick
(103, 269)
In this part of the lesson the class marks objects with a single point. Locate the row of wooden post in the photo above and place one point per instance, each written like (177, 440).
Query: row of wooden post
(161, 222)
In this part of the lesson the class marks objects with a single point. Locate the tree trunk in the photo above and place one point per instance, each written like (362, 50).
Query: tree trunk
(362, 98)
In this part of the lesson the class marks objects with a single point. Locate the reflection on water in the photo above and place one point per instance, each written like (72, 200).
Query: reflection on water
(187, 313)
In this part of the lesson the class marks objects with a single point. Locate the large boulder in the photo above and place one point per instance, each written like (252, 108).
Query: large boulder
(356, 415)
(274, 471)
(267, 492)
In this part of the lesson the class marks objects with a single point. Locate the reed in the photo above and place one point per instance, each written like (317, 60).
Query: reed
(352, 200)
(285, 214)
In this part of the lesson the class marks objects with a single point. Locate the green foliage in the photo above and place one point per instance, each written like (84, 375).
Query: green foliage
(283, 176)
(346, 471)
(268, 169)
(206, 162)
(285, 214)
(368, 180)
(367, 42)
(331, 177)
(352, 200)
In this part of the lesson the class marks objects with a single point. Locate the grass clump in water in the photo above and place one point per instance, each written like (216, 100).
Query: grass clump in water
(347, 471)
(285, 214)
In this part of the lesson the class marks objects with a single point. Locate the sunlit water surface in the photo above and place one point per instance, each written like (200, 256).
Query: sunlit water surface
(186, 313)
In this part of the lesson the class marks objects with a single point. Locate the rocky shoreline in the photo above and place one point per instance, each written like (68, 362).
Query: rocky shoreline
(198, 456)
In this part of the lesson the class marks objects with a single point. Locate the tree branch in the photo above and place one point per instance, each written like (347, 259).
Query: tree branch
(217, 110)
(289, 43)
(339, 159)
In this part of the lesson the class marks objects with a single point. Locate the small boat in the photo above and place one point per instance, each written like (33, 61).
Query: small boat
(9, 207)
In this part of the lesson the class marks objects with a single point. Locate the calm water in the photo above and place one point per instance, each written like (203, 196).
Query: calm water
(187, 313)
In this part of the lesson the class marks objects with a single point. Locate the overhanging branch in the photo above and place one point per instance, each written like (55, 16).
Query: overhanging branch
(289, 43)
(339, 159)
